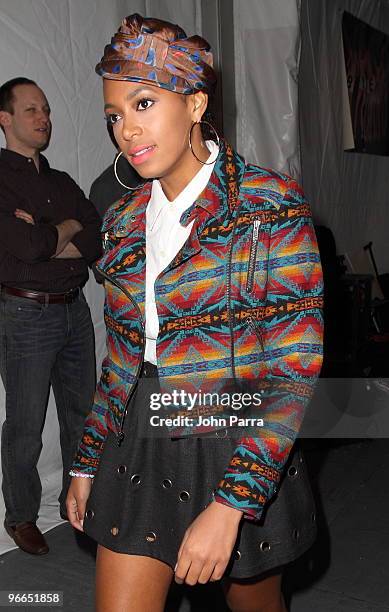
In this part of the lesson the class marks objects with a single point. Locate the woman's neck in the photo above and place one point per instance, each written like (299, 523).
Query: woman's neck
(178, 178)
(176, 182)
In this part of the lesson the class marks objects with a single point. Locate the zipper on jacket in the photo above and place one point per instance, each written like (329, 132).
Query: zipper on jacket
(230, 310)
(252, 256)
(120, 435)
(251, 322)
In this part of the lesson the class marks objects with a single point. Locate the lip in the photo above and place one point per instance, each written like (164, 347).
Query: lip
(138, 157)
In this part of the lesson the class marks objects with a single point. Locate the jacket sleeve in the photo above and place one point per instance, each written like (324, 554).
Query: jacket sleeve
(292, 334)
(95, 430)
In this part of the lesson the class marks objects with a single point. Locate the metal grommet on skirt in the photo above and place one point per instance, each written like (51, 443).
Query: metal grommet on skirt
(222, 433)
(151, 537)
(184, 496)
(122, 469)
(89, 513)
(292, 471)
(135, 479)
(114, 531)
(264, 546)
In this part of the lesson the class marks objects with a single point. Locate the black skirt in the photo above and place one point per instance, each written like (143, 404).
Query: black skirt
(148, 491)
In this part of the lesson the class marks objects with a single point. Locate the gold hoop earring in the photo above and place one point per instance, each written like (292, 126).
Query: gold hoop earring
(118, 179)
(190, 141)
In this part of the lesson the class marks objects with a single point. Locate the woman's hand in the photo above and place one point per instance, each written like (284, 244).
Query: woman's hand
(207, 545)
(76, 499)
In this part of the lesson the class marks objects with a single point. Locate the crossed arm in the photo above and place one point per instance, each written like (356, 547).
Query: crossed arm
(66, 231)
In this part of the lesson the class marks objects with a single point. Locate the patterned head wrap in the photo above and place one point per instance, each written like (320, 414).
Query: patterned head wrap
(158, 53)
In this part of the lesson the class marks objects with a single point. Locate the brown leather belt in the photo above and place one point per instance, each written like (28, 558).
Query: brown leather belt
(44, 298)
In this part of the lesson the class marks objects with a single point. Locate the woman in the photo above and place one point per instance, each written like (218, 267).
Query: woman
(212, 273)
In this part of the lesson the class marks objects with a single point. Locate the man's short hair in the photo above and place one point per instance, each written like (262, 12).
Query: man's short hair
(7, 93)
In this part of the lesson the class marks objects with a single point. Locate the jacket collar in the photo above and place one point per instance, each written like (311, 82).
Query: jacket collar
(219, 199)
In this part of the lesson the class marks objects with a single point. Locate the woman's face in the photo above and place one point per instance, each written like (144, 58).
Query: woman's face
(151, 126)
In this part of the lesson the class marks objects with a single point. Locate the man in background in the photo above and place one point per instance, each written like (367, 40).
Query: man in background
(49, 234)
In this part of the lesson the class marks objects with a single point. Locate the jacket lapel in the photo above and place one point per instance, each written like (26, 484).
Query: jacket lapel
(218, 200)
(124, 232)
(124, 235)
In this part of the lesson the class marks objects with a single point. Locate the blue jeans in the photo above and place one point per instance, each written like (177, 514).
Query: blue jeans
(42, 345)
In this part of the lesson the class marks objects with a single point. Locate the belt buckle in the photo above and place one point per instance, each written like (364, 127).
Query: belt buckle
(68, 296)
(71, 295)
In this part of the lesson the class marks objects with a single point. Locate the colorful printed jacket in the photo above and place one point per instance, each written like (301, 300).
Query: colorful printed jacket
(241, 299)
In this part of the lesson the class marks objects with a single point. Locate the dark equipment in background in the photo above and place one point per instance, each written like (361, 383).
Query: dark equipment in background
(382, 279)
(356, 338)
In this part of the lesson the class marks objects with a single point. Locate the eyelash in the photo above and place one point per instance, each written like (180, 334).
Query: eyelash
(144, 100)
(110, 119)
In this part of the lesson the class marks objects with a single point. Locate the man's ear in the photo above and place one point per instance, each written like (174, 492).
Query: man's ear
(5, 118)
(200, 103)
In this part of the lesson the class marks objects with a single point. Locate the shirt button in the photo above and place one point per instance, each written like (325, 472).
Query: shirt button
(29, 160)
(48, 201)
(71, 268)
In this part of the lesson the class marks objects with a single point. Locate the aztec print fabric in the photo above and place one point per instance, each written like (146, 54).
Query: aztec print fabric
(241, 300)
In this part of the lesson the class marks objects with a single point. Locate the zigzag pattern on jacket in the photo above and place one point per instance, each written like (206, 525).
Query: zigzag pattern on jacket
(252, 226)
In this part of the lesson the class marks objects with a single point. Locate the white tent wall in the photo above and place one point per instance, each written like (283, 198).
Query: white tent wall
(347, 191)
(58, 42)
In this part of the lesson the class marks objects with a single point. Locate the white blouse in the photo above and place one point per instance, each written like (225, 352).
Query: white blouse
(165, 236)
